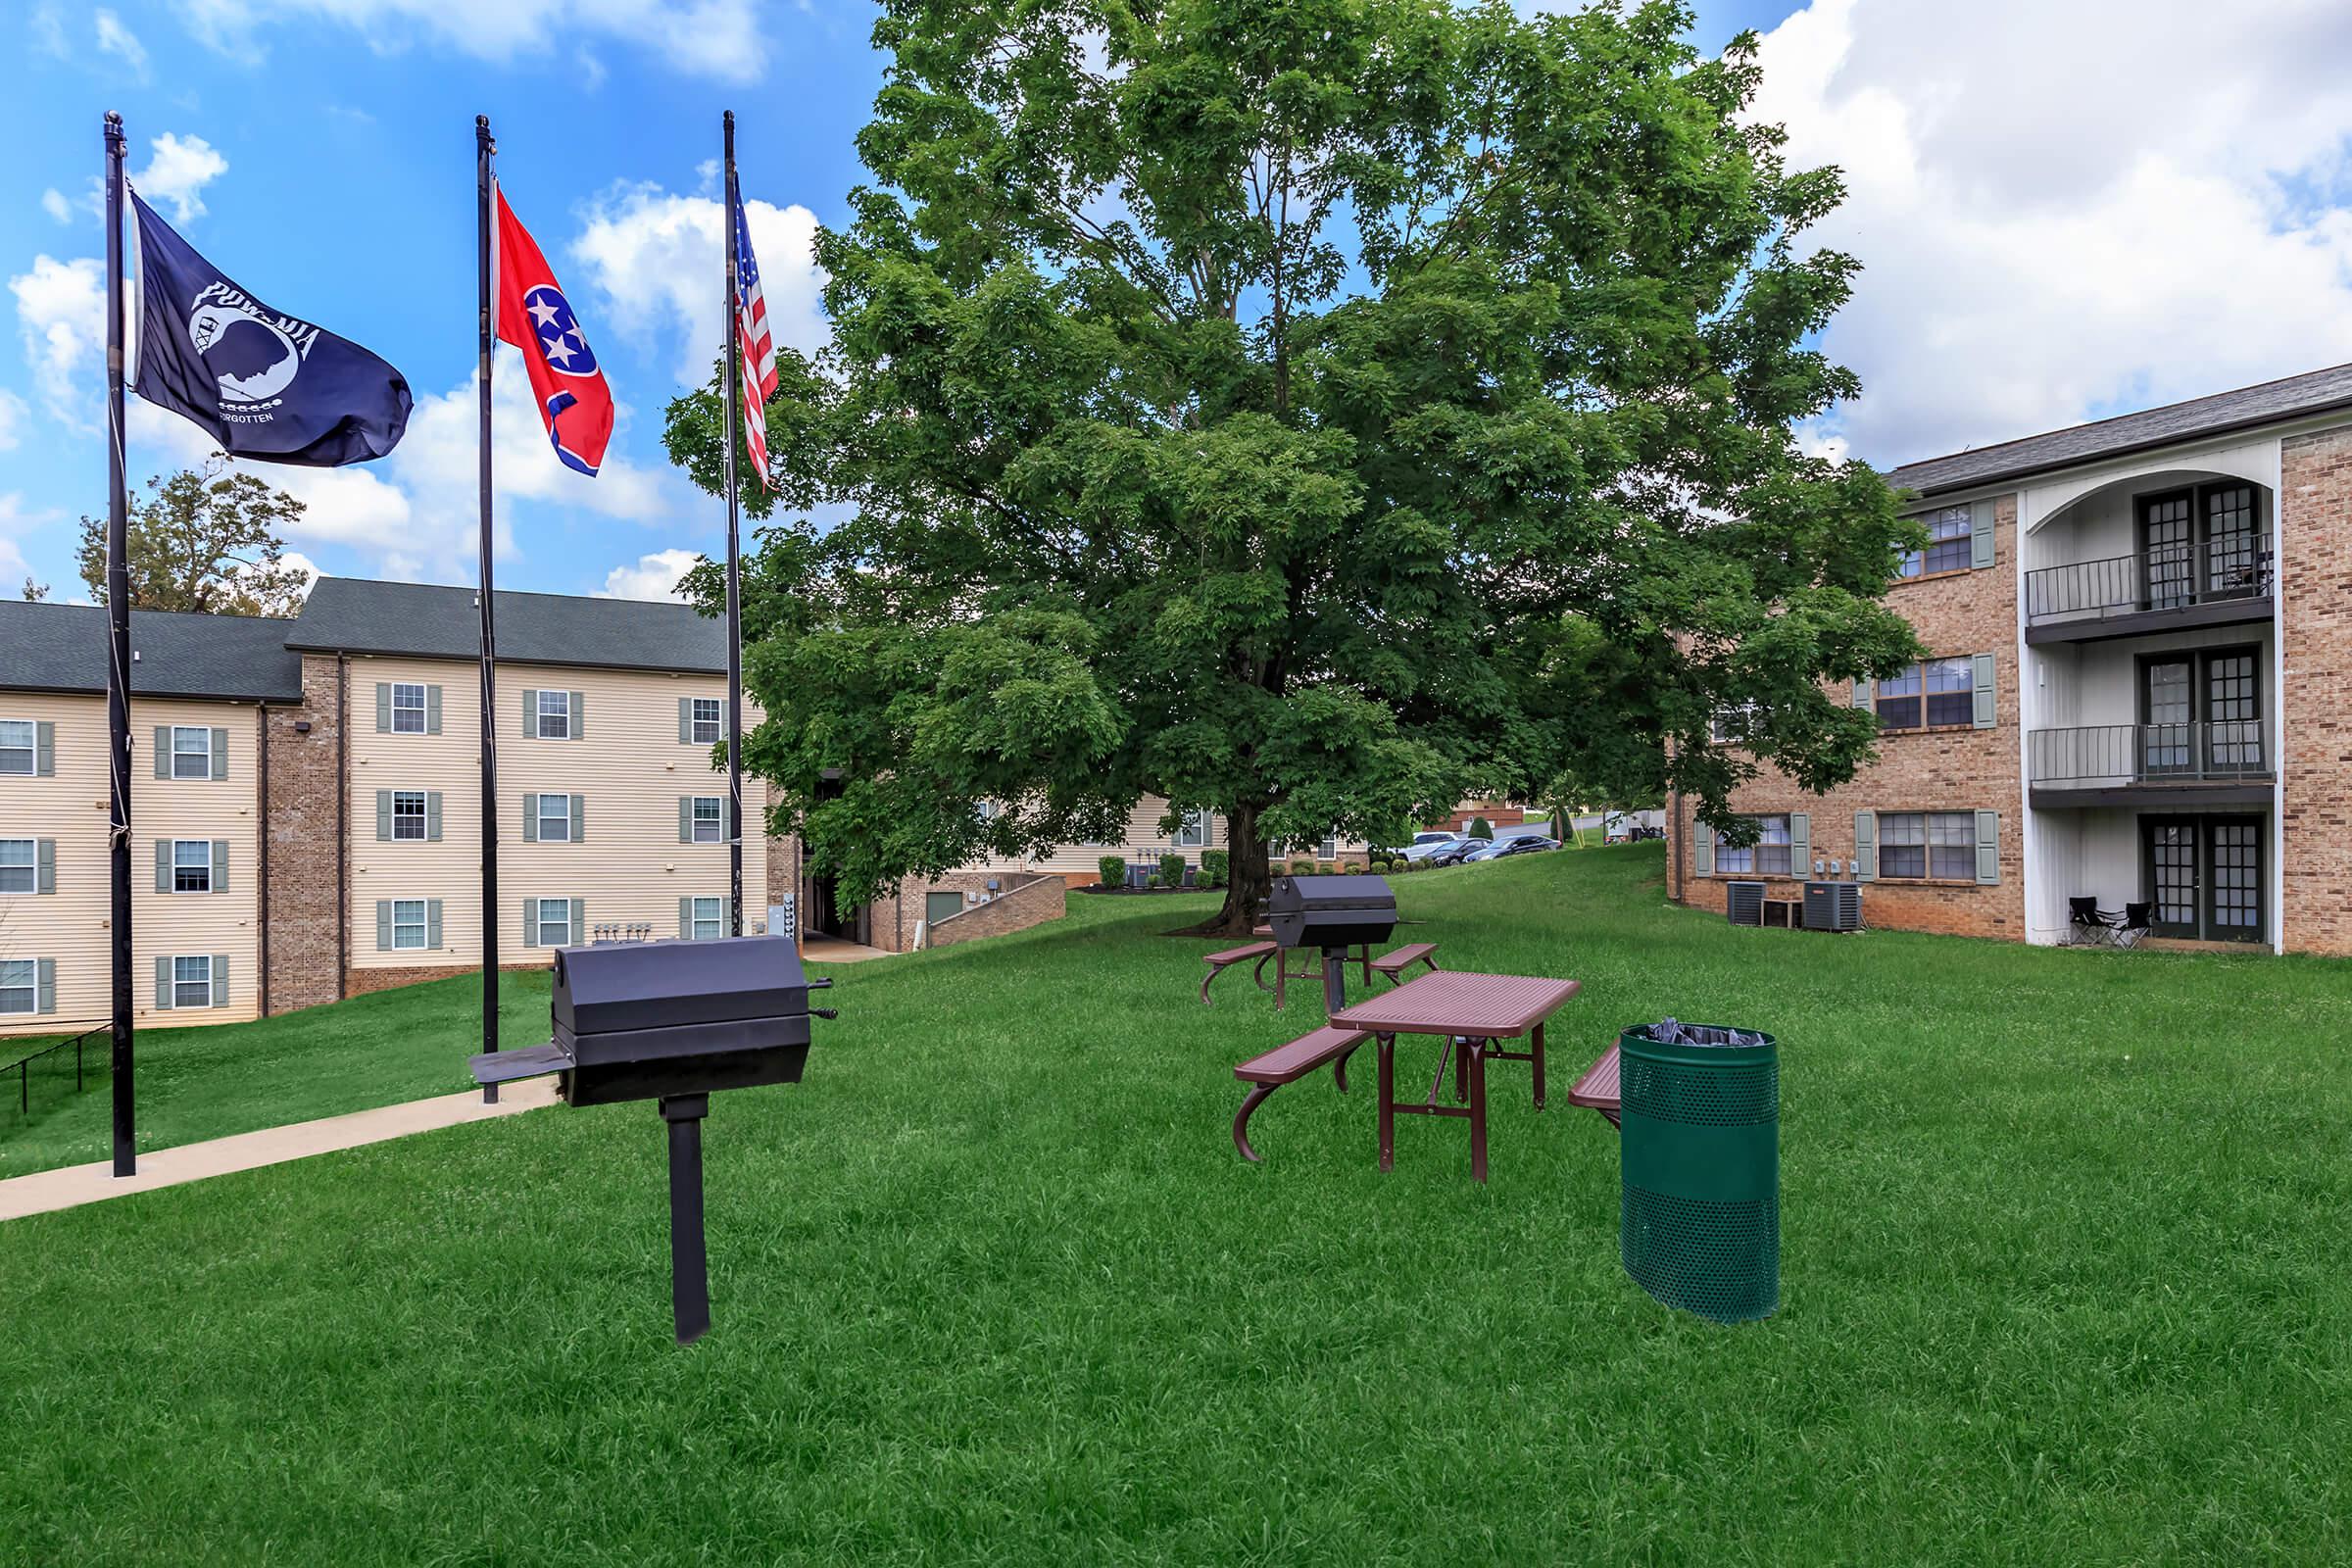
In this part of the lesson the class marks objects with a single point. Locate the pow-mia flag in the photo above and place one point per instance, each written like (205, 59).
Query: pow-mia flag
(263, 384)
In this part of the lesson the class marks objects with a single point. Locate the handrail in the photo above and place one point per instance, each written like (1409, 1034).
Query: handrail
(2168, 578)
(2110, 755)
(22, 1065)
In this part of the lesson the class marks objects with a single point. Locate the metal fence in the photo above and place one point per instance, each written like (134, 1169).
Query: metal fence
(2111, 756)
(46, 1067)
(2156, 579)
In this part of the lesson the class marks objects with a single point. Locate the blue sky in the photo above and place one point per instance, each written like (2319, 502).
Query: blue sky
(2039, 250)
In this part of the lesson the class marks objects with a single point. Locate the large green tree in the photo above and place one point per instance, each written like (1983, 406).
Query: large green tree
(205, 540)
(1305, 409)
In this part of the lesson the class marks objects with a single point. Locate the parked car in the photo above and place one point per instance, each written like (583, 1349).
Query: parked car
(1427, 845)
(1456, 852)
(1525, 844)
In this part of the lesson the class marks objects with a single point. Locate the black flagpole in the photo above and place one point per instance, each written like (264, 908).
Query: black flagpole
(484, 150)
(118, 664)
(734, 576)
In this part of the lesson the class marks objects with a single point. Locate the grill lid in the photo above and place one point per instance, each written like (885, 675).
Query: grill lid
(1292, 895)
(651, 985)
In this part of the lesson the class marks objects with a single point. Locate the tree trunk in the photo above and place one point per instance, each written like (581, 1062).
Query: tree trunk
(1249, 878)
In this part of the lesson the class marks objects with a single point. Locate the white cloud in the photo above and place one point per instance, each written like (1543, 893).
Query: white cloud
(116, 39)
(61, 318)
(653, 255)
(49, 29)
(15, 521)
(12, 418)
(2045, 237)
(179, 171)
(54, 203)
(655, 576)
(720, 39)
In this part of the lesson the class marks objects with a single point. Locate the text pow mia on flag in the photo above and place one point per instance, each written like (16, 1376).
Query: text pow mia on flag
(261, 383)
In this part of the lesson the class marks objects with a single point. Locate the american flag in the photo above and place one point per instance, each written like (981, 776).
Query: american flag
(758, 348)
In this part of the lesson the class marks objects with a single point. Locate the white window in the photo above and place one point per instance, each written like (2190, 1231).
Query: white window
(555, 715)
(408, 923)
(17, 873)
(191, 751)
(1193, 832)
(706, 720)
(17, 736)
(407, 708)
(1329, 848)
(192, 982)
(709, 919)
(709, 819)
(555, 922)
(555, 819)
(407, 814)
(19, 980)
(191, 865)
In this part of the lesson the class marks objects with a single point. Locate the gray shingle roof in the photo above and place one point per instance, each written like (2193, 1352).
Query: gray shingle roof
(61, 647)
(349, 615)
(2316, 392)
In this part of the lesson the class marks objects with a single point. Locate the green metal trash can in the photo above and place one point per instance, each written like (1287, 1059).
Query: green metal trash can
(1701, 1146)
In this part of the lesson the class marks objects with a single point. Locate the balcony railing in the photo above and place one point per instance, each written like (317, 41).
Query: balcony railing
(2118, 756)
(2170, 579)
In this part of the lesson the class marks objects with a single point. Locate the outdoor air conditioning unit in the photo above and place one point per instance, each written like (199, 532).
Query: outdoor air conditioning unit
(1743, 903)
(1833, 907)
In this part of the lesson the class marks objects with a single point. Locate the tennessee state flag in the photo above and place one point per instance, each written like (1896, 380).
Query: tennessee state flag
(534, 316)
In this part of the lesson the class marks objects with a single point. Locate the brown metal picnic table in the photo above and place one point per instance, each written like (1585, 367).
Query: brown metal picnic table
(1472, 1013)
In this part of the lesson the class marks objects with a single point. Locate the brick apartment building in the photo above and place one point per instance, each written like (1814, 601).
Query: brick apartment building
(307, 794)
(2141, 667)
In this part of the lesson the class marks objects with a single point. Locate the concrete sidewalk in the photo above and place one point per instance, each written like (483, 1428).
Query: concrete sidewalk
(75, 1185)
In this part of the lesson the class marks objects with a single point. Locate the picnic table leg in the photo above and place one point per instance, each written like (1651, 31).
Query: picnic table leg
(1536, 1049)
(1281, 977)
(1461, 1072)
(1478, 1109)
(1339, 1068)
(1240, 1121)
(1386, 1046)
(1365, 954)
(1258, 974)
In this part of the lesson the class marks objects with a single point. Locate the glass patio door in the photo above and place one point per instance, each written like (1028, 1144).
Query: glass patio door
(2232, 713)
(2167, 710)
(2168, 548)
(2170, 844)
(2232, 541)
(2204, 876)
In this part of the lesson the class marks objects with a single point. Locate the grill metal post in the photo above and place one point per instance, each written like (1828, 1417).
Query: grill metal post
(1335, 980)
(689, 1259)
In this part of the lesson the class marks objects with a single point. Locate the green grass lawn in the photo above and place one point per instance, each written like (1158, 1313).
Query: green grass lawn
(2063, 1282)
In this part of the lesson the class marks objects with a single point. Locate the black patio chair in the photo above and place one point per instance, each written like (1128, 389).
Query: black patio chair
(2136, 925)
(2089, 926)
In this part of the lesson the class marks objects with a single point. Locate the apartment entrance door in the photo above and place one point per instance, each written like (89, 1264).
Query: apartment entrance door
(2203, 876)
(2201, 714)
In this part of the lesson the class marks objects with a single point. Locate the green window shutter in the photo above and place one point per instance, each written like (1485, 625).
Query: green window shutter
(163, 982)
(432, 923)
(579, 820)
(44, 749)
(1988, 847)
(1980, 535)
(1703, 849)
(44, 985)
(44, 855)
(162, 751)
(383, 926)
(220, 865)
(1988, 691)
(163, 865)
(579, 921)
(578, 730)
(685, 917)
(433, 709)
(383, 816)
(530, 713)
(1800, 843)
(220, 979)
(1862, 690)
(219, 754)
(432, 817)
(685, 721)
(685, 819)
(530, 819)
(1866, 846)
(530, 927)
(383, 707)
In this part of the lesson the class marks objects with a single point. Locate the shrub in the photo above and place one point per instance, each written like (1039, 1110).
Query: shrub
(1213, 867)
(1112, 871)
(1302, 869)
(1171, 871)
(1481, 829)
(1158, 880)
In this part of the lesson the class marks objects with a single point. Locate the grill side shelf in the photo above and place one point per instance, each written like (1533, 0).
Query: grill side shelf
(504, 1066)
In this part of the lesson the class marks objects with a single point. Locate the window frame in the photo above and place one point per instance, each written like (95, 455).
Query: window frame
(178, 750)
(562, 714)
(398, 707)
(1912, 565)
(540, 818)
(717, 920)
(181, 979)
(718, 721)
(1920, 701)
(179, 866)
(423, 926)
(1753, 857)
(718, 820)
(32, 867)
(31, 750)
(421, 817)
(1956, 852)
(31, 988)
(540, 922)
(1193, 832)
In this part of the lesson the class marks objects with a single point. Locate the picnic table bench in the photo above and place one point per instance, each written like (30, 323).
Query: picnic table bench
(1598, 1088)
(1395, 963)
(1287, 1064)
(1219, 963)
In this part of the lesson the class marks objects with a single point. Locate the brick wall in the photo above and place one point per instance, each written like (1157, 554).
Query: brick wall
(1017, 908)
(2315, 623)
(304, 841)
(1958, 768)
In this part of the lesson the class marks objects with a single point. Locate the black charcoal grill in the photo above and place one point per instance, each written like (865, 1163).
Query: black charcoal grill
(1331, 913)
(672, 1021)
